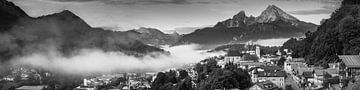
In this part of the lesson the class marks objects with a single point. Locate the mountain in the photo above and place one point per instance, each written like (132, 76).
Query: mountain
(9, 14)
(272, 23)
(154, 37)
(274, 13)
(64, 32)
(338, 35)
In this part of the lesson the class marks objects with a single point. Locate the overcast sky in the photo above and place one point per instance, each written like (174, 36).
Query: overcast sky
(173, 14)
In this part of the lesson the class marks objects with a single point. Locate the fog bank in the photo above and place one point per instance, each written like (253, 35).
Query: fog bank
(98, 61)
(272, 42)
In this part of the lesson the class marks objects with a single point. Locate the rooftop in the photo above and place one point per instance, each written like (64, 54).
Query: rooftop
(267, 85)
(351, 61)
(298, 60)
(41, 87)
(332, 71)
(301, 71)
(320, 72)
(252, 63)
(271, 68)
(271, 74)
(234, 53)
(307, 74)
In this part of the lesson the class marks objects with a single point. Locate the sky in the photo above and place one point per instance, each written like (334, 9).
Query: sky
(173, 15)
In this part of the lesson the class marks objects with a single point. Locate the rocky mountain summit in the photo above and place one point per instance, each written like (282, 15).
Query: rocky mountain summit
(271, 24)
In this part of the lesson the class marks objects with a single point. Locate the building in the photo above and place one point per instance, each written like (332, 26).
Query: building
(292, 63)
(85, 88)
(233, 56)
(274, 74)
(248, 65)
(278, 53)
(41, 87)
(269, 58)
(265, 85)
(352, 64)
(320, 74)
(257, 50)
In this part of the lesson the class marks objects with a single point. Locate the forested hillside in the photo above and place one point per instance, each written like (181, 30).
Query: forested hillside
(338, 35)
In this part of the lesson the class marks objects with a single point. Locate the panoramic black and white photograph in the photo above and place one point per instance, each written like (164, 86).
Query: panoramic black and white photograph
(179, 44)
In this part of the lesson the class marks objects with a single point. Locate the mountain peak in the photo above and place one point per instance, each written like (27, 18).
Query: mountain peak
(273, 7)
(149, 30)
(241, 13)
(175, 33)
(240, 16)
(9, 14)
(274, 13)
(66, 13)
(10, 8)
(63, 14)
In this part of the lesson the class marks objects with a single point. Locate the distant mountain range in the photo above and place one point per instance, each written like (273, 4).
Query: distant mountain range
(63, 31)
(272, 23)
(10, 14)
(154, 37)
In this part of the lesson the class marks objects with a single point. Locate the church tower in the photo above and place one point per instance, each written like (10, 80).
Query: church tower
(257, 51)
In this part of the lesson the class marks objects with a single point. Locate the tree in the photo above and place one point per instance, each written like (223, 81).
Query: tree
(159, 81)
(281, 61)
(183, 74)
(186, 84)
(229, 77)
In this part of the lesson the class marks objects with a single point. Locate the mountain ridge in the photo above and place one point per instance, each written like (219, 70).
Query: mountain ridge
(241, 28)
(64, 32)
(154, 37)
(10, 14)
(274, 13)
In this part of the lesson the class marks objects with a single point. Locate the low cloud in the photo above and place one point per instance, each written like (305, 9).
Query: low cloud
(329, 7)
(320, 1)
(312, 12)
(186, 30)
(97, 61)
(132, 2)
(272, 42)
(142, 2)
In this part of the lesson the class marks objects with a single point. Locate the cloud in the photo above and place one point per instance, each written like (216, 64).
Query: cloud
(329, 7)
(312, 12)
(321, 1)
(132, 2)
(186, 30)
(98, 61)
(326, 9)
(272, 42)
(146, 2)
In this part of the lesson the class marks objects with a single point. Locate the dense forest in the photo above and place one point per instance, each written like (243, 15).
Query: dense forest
(209, 77)
(338, 35)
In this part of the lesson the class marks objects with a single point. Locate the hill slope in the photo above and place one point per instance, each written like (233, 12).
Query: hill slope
(9, 14)
(154, 37)
(338, 35)
(64, 32)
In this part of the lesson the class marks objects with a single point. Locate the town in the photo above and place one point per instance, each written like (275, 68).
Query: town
(277, 71)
